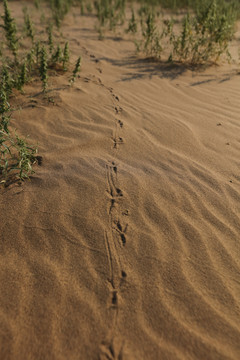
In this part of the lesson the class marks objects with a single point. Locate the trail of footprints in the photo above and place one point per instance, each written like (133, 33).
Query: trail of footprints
(112, 348)
(116, 239)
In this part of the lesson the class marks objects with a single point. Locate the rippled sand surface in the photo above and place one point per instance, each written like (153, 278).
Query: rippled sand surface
(125, 244)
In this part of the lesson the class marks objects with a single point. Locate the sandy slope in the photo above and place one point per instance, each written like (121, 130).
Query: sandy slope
(126, 242)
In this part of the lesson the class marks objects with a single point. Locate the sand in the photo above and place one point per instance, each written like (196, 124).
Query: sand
(125, 243)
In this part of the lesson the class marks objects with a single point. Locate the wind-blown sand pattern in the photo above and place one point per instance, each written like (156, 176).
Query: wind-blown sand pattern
(125, 244)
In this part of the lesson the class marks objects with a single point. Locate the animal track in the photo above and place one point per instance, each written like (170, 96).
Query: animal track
(121, 231)
(109, 351)
(115, 238)
(120, 123)
(117, 140)
(118, 109)
(114, 190)
(124, 275)
(115, 96)
(114, 298)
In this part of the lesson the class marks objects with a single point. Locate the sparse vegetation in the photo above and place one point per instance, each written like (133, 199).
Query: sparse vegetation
(206, 29)
(203, 38)
(28, 61)
(110, 13)
(199, 34)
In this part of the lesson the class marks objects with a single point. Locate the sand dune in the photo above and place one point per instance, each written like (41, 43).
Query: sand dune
(125, 243)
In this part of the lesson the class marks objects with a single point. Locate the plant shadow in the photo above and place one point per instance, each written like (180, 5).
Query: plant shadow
(142, 68)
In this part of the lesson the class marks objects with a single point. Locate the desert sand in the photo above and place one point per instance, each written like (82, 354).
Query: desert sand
(125, 243)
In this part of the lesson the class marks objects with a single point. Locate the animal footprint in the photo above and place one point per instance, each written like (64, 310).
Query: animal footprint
(109, 351)
(118, 109)
(120, 123)
(117, 140)
(121, 231)
(114, 191)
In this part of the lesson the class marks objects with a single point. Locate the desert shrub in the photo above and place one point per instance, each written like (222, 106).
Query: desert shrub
(59, 9)
(110, 13)
(204, 35)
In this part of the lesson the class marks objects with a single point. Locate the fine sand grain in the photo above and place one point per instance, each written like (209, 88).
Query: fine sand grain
(125, 243)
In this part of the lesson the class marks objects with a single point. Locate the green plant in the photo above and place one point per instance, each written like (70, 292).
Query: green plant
(6, 81)
(65, 59)
(76, 70)
(182, 44)
(22, 78)
(50, 38)
(204, 36)
(4, 104)
(37, 50)
(42, 18)
(26, 158)
(110, 11)
(10, 29)
(37, 4)
(43, 68)
(30, 59)
(89, 7)
(132, 26)
(16, 158)
(151, 43)
(82, 7)
(57, 56)
(28, 25)
(59, 9)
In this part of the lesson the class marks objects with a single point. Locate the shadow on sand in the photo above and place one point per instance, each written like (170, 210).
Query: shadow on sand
(141, 68)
